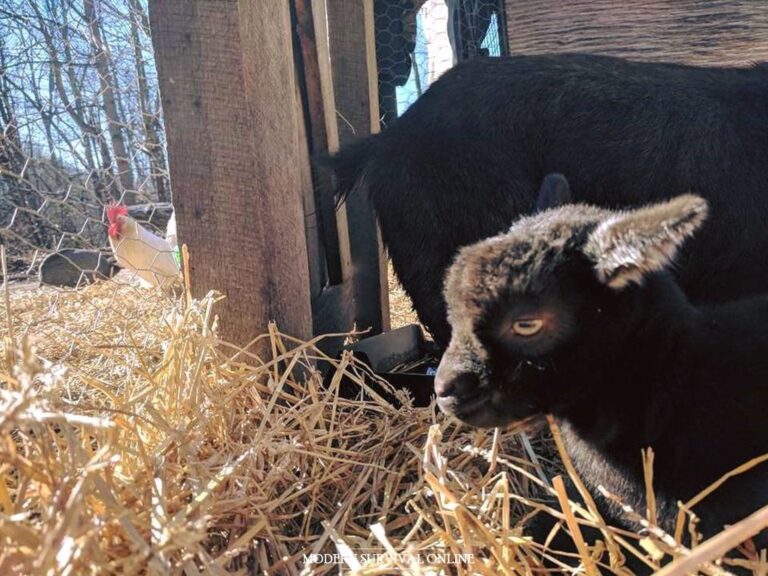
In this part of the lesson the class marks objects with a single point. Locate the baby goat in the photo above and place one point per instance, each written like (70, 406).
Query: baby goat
(574, 312)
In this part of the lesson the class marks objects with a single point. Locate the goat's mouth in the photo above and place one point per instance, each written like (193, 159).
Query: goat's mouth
(488, 410)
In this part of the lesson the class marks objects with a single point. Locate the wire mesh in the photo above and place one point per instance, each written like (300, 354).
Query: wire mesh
(418, 40)
(80, 127)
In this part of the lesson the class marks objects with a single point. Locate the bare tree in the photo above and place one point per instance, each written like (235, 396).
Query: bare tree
(79, 118)
(107, 84)
(150, 119)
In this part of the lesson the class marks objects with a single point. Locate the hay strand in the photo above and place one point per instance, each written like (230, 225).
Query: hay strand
(133, 440)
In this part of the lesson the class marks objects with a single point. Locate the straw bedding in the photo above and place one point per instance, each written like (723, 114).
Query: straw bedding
(133, 441)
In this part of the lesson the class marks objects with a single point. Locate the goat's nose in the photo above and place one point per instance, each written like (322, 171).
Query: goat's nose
(462, 385)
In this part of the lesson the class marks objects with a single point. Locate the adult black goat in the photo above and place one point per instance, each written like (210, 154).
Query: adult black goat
(467, 158)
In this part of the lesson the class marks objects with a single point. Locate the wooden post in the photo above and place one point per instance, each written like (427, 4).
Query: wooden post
(226, 74)
(352, 46)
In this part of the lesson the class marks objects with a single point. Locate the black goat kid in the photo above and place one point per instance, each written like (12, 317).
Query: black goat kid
(573, 312)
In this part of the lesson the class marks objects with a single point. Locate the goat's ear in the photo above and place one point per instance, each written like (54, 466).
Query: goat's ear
(554, 191)
(627, 246)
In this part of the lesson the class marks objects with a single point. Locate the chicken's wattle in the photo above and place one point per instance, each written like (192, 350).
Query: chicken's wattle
(151, 257)
(114, 211)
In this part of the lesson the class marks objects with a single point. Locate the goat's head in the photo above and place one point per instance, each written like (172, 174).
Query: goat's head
(530, 304)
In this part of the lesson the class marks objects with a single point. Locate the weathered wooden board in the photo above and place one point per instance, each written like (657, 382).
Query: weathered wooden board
(355, 85)
(717, 32)
(227, 82)
(319, 111)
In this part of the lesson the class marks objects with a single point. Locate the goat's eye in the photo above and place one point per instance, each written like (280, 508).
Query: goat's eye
(527, 327)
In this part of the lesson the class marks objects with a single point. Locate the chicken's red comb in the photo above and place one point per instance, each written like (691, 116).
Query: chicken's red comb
(114, 210)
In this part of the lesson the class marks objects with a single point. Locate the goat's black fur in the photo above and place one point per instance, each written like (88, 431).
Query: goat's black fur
(469, 155)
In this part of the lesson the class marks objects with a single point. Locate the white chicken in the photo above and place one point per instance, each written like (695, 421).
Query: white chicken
(154, 259)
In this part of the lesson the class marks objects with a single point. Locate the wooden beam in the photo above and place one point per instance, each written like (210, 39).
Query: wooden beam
(226, 74)
(303, 62)
(319, 106)
(685, 31)
(333, 308)
(352, 46)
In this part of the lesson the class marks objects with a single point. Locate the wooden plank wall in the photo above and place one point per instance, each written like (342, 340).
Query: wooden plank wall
(334, 307)
(313, 71)
(226, 75)
(718, 32)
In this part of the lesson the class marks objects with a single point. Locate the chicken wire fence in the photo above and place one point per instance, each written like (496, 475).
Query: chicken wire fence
(418, 40)
(80, 128)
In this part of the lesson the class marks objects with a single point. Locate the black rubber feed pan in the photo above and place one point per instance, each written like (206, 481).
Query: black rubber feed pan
(402, 357)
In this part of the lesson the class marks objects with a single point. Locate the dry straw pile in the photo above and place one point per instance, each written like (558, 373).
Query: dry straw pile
(133, 441)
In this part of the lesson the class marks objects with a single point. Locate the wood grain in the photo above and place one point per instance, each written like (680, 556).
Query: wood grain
(716, 32)
(227, 82)
(353, 63)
